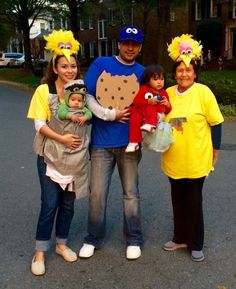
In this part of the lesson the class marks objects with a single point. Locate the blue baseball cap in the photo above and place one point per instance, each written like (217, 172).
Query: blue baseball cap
(131, 33)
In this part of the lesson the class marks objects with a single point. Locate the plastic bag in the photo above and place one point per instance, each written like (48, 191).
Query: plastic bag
(161, 139)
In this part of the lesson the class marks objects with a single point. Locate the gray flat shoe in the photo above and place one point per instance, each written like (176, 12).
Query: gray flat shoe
(172, 246)
(197, 256)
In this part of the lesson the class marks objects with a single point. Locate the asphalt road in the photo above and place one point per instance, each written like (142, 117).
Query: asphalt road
(108, 269)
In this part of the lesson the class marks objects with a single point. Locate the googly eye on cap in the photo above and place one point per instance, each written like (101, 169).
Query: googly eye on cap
(131, 33)
(74, 83)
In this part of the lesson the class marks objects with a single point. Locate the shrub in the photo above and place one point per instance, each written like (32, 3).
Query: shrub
(222, 83)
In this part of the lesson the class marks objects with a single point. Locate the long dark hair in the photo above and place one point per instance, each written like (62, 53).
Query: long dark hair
(152, 70)
(50, 75)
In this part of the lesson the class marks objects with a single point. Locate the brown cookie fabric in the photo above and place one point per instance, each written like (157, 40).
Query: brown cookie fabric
(116, 91)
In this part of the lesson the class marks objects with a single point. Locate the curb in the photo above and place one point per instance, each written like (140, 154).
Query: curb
(18, 85)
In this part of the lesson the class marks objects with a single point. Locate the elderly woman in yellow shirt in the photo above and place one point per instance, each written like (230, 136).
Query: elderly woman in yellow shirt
(196, 120)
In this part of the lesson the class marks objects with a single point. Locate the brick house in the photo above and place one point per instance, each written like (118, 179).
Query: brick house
(98, 34)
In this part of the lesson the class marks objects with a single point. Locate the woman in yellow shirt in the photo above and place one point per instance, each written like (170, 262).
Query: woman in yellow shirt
(56, 203)
(196, 121)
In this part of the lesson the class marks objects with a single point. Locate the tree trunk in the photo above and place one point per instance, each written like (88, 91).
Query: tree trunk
(27, 49)
(163, 16)
(74, 18)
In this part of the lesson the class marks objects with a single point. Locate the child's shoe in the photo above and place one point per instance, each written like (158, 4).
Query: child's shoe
(148, 127)
(132, 147)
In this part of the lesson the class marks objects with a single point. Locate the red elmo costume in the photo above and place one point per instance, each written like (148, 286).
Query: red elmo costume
(144, 113)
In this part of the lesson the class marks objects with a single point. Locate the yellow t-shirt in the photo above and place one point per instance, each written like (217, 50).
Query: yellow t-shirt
(192, 115)
(39, 105)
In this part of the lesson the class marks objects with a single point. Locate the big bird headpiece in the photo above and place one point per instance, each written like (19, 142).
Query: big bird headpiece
(62, 42)
(184, 48)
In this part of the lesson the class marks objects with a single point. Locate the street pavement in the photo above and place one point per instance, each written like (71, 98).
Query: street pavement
(108, 269)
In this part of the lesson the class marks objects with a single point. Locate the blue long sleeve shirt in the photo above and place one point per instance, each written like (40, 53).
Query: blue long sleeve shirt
(108, 134)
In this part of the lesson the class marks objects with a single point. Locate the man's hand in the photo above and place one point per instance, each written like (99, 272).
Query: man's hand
(122, 115)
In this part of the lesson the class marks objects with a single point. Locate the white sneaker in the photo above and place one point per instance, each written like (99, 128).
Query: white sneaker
(148, 127)
(132, 147)
(133, 252)
(86, 251)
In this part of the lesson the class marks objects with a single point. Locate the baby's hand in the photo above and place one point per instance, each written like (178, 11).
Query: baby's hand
(165, 101)
(82, 119)
(74, 118)
(153, 101)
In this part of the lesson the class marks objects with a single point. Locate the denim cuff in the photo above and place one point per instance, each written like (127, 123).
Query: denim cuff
(61, 241)
(42, 245)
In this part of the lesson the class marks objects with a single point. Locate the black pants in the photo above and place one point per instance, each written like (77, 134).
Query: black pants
(186, 197)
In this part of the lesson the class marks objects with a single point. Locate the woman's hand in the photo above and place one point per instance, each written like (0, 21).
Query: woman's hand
(68, 140)
(122, 115)
(215, 156)
(71, 141)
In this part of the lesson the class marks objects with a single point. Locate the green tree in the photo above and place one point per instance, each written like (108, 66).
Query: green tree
(75, 10)
(6, 31)
(18, 13)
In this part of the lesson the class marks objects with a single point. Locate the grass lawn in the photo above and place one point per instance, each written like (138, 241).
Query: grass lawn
(222, 83)
(19, 75)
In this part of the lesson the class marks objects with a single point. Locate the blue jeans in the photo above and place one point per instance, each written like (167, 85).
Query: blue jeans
(55, 202)
(103, 162)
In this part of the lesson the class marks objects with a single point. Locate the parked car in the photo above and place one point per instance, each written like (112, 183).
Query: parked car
(20, 62)
(7, 59)
(39, 61)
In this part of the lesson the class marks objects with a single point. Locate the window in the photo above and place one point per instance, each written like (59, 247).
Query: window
(198, 10)
(114, 47)
(91, 23)
(42, 26)
(51, 25)
(172, 15)
(92, 49)
(111, 15)
(87, 24)
(64, 23)
(82, 50)
(213, 8)
(82, 25)
(234, 9)
(102, 29)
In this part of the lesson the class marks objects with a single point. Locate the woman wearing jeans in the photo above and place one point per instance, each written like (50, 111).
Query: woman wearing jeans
(56, 202)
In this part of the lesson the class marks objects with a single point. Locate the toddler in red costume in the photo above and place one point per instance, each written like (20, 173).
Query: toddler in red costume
(149, 105)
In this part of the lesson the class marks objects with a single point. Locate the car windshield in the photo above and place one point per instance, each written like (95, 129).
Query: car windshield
(17, 55)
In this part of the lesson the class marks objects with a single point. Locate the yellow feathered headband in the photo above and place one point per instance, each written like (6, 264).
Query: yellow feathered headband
(184, 48)
(62, 42)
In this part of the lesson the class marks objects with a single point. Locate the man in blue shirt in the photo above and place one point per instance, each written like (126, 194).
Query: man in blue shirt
(108, 142)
